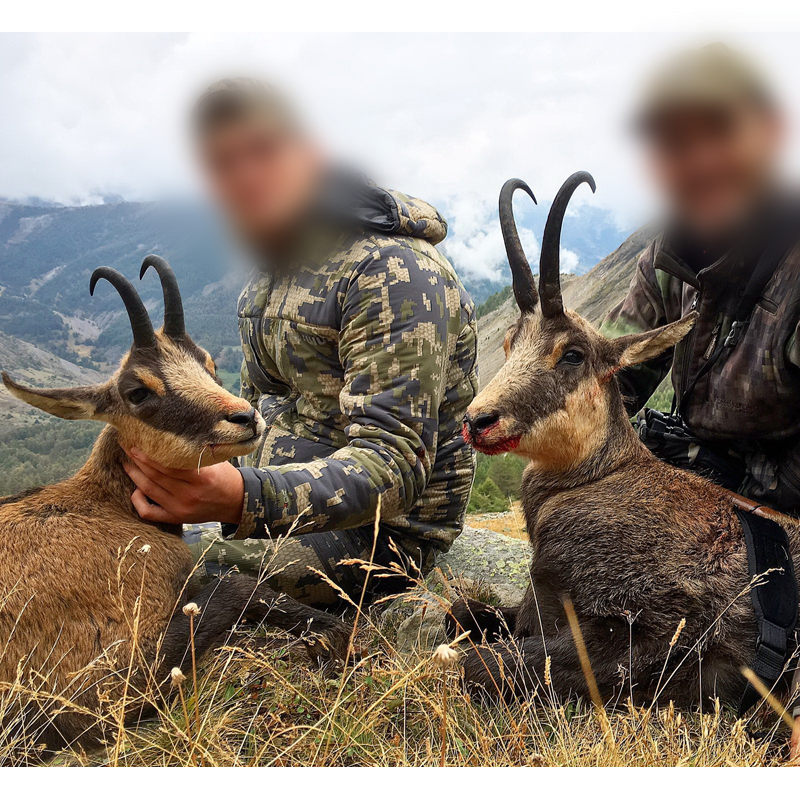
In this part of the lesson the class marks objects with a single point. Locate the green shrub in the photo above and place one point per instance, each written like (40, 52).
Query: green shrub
(506, 471)
(487, 498)
(497, 482)
(493, 302)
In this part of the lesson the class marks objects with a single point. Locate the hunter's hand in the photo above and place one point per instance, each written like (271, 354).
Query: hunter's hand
(211, 494)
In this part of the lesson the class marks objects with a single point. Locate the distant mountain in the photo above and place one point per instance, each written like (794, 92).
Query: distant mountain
(589, 234)
(36, 366)
(47, 253)
(53, 333)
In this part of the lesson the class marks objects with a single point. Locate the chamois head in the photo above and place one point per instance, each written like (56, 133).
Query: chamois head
(165, 397)
(554, 397)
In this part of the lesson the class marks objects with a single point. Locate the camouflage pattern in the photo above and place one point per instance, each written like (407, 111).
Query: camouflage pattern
(361, 356)
(749, 400)
(315, 568)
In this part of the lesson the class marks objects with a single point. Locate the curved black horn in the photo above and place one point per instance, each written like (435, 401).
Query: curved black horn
(143, 333)
(521, 274)
(550, 261)
(174, 325)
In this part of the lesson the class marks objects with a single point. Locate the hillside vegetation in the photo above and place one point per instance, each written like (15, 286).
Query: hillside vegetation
(497, 482)
(256, 700)
(53, 333)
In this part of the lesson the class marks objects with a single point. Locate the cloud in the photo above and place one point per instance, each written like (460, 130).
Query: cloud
(445, 117)
(475, 241)
(569, 260)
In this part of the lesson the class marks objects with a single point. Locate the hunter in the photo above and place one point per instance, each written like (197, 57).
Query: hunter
(712, 131)
(359, 353)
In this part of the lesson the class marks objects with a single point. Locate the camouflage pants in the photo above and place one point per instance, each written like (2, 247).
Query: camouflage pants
(314, 568)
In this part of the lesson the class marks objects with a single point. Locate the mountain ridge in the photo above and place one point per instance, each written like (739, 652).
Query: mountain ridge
(53, 334)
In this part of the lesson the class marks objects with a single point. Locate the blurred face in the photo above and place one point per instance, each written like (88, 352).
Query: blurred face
(714, 166)
(264, 178)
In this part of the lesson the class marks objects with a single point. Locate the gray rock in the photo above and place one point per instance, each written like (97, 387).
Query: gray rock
(489, 557)
(509, 594)
(481, 563)
(424, 629)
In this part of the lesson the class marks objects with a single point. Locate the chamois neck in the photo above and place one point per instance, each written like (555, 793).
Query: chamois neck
(622, 445)
(103, 474)
(619, 448)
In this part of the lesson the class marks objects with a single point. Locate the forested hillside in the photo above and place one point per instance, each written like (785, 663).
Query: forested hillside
(53, 333)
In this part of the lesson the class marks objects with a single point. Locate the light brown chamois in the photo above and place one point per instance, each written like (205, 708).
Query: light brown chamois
(87, 588)
(635, 544)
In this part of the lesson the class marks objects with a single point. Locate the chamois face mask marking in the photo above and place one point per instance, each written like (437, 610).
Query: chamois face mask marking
(165, 397)
(549, 401)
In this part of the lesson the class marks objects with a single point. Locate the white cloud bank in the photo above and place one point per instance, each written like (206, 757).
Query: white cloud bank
(445, 117)
(475, 242)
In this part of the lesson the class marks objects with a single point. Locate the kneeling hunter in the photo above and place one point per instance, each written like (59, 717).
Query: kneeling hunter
(359, 352)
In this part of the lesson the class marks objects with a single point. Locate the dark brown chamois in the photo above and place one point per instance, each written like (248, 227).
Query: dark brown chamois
(87, 588)
(637, 545)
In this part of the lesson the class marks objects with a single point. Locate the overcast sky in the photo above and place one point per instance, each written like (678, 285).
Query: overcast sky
(447, 118)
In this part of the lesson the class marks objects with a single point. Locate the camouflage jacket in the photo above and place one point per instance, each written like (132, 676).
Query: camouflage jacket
(749, 402)
(362, 361)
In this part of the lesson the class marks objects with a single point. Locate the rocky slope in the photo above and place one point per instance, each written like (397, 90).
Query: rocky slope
(53, 333)
(592, 295)
(31, 364)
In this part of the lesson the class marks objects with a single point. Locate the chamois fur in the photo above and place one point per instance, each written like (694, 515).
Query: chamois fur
(637, 545)
(91, 594)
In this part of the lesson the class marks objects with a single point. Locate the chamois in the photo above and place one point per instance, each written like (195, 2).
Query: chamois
(643, 550)
(87, 588)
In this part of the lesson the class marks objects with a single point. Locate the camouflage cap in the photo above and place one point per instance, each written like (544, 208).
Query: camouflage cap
(237, 99)
(714, 77)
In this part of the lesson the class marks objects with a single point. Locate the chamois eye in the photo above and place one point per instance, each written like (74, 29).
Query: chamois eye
(572, 357)
(139, 395)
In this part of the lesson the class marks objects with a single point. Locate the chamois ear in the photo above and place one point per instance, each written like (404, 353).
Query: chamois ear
(82, 402)
(636, 348)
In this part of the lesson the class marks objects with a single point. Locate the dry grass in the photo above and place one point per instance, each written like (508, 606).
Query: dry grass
(510, 523)
(259, 702)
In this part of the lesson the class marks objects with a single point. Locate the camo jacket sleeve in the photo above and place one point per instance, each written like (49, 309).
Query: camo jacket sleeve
(401, 317)
(641, 310)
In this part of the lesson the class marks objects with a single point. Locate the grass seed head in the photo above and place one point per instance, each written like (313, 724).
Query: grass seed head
(681, 626)
(177, 677)
(445, 656)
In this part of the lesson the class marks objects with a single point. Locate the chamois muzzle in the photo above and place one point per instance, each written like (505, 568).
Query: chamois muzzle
(143, 334)
(490, 432)
(174, 323)
(247, 419)
(480, 422)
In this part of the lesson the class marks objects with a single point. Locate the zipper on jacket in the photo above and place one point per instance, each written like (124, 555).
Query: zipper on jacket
(714, 336)
(687, 351)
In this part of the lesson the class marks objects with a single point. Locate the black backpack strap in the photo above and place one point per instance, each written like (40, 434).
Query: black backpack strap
(774, 597)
